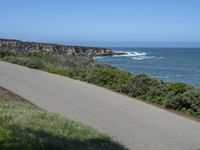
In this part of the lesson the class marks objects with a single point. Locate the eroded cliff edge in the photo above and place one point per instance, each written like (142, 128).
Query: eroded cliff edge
(20, 46)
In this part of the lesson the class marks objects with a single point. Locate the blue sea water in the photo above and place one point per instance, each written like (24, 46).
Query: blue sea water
(168, 64)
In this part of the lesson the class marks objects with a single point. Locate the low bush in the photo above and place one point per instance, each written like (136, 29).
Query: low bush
(111, 78)
(34, 63)
(177, 87)
(6, 54)
(36, 54)
(31, 62)
(56, 70)
(188, 102)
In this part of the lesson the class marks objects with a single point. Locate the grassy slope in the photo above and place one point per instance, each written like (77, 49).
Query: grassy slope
(176, 96)
(24, 126)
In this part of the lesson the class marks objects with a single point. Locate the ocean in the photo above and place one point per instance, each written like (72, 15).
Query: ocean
(168, 64)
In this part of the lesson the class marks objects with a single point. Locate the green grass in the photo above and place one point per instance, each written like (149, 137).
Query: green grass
(24, 126)
(176, 96)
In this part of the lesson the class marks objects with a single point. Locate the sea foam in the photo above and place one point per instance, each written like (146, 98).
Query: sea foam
(129, 54)
(136, 55)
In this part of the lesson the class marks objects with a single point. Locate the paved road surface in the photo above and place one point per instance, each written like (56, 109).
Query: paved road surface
(137, 125)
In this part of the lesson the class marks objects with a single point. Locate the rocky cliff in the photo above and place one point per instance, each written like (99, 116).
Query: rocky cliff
(19, 46)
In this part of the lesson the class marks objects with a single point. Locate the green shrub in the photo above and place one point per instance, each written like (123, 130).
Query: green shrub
(111, 78)
(140, 84)
(157, 93)
(193, 100)
(56, 70)
(188, 102)
(174, 101)
(6, 54)
(15, 60)
(36, 54)
(177, 87)
(32, 62)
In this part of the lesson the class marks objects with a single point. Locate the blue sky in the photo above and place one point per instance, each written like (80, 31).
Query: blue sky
(101, 22)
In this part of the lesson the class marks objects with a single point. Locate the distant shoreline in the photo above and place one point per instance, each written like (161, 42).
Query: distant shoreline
(20, 46)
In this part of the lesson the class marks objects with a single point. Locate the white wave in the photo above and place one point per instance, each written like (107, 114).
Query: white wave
(143, 57)
(179, 75)
(137, 58)
(165, 77)
(98, 57)
(129, 54)
(162, 77)
(136, 55)
(160, 57)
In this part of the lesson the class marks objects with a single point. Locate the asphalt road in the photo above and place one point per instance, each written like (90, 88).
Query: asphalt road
(135, 124)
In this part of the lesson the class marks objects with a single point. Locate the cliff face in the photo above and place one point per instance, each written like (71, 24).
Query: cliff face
(19, 46)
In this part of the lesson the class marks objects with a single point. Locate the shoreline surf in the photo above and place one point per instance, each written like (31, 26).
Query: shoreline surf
(168, 64)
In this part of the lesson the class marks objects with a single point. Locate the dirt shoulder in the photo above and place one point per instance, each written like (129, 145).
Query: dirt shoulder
(10, 95)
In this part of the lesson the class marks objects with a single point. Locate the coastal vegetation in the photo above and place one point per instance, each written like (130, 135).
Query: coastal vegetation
(24, 126)
(176, 96)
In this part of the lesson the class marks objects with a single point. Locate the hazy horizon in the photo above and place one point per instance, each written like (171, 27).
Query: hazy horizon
(120, 44)
(138, 44)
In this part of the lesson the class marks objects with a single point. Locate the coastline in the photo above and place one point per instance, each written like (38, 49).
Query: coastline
(177, 96)
(18, 46)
